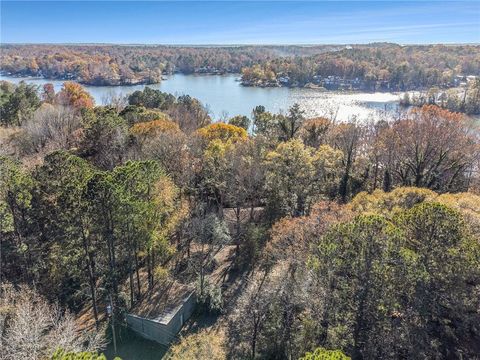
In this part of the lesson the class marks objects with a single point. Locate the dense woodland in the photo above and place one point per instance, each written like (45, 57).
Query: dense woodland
(371, 67)
(135, 64)
(379, 66)
(344, 239)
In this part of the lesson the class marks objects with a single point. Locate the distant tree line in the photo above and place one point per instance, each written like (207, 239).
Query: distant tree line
(371, 67)
(123, 65)
(379, 66)
(465, 100)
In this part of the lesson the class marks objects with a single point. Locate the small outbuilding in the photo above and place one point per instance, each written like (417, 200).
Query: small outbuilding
(161, 319)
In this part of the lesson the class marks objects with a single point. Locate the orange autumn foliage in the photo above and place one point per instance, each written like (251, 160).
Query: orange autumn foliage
(75, 95)
(429, 112)
(291, 239)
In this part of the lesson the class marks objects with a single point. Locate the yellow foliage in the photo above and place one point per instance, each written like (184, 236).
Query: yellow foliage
(398, 199)
(155, 127)
(161, 274)
(223, 132)
(217, 148)
(151, 114)
(166, 198)
(173, 212)
(388, 204)
(468, 204)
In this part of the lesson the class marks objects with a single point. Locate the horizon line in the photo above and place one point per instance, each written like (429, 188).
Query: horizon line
(238, 44)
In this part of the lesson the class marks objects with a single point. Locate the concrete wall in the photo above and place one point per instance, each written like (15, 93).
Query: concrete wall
(163, 329)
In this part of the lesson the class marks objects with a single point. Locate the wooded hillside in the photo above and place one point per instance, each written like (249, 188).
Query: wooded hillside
(303, 237)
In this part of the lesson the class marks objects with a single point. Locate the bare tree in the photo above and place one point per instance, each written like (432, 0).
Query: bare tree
(211, 235)
(347, 138)
(31, 328)
(250, 316)
(432, 148)
(115, 100)
(50, 128)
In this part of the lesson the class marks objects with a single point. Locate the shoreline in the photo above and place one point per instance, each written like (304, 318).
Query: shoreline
(96, 84)
(166, 78)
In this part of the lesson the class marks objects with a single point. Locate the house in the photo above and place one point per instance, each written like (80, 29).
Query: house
(471, 79)
(458, 79)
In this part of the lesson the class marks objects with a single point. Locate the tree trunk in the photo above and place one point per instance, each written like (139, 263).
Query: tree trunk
(131, 287)
(91, 276)
(149, 269)
(344, 182)
(137, 270)
(254, 340)
(375, 175)
(358, 335)
(237, 235)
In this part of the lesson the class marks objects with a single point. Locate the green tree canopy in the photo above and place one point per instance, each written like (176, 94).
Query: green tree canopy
(17, 102)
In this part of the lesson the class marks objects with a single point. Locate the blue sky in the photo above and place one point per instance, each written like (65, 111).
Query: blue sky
(241, 22)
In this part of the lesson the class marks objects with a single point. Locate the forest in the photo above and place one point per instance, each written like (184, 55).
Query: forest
(380, 67)
(372, 67)
(142, 64)
(304, 238)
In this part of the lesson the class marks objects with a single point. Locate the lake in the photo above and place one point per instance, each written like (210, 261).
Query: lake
(223, 95)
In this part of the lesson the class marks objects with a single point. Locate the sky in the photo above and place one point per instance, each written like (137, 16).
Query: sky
(240, 22)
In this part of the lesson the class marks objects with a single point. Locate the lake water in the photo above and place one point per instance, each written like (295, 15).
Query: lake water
(223, 95)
